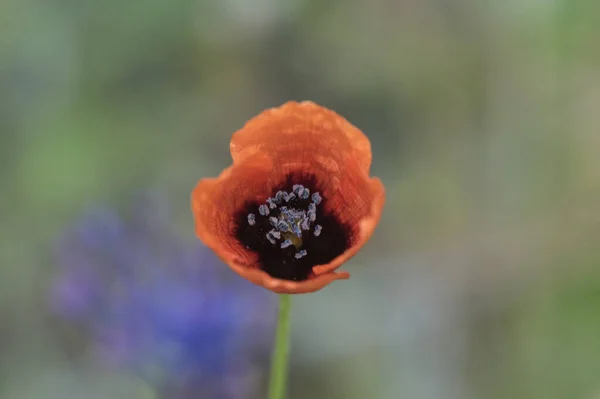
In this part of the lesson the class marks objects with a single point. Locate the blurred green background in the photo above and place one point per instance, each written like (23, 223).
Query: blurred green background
(483, 278)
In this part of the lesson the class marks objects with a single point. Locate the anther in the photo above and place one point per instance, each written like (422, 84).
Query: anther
(263, 210)
(316, 198)
(305, 193)
(275, 233)
(282, 226)
(271, 203)
(318, 229)
(300, 254)
(305, 224)
(251, 219)
(312, 216)
(273, 220)
(270, 238)
(286, 243)
(312, 207)
(279, 196)
(290, 197)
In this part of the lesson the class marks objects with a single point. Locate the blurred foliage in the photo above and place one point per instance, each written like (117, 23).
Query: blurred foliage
(483, 278)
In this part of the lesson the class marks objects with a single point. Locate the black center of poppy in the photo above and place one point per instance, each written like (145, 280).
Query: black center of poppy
(291, 232)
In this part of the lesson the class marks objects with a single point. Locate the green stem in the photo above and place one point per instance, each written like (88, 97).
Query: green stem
(279, 359)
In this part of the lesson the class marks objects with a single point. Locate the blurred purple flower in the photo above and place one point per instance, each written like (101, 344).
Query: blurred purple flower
(161, 307)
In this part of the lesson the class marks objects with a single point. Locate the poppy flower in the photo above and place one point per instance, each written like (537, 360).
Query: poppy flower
(297, 202)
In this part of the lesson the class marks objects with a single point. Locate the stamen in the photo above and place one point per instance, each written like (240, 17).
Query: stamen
(305, 193)
(282, 226)
(318, 229)
(263, 210)
(305, 224)
(270, 237)
(272, 203)
(288, 230)
(288, 223)
(300, 254)
(316, 198)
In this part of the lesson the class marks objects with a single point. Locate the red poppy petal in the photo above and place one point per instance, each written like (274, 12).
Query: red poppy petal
(368, 209)
(298, 134)
(351, 194)
(215, 201)
(279, 286)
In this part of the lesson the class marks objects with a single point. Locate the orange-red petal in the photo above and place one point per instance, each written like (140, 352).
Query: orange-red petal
(215, 201)
(279, 286)
(369, 207)
(302, 133)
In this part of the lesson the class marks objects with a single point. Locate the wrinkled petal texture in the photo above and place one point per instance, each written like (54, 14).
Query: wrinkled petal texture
(298, 138)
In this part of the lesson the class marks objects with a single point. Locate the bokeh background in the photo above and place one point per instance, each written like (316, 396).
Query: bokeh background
(482, 280)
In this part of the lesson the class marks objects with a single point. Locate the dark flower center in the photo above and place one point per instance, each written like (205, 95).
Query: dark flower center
(290, 231)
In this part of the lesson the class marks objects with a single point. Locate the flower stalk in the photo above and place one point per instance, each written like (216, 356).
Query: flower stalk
(281, 348)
